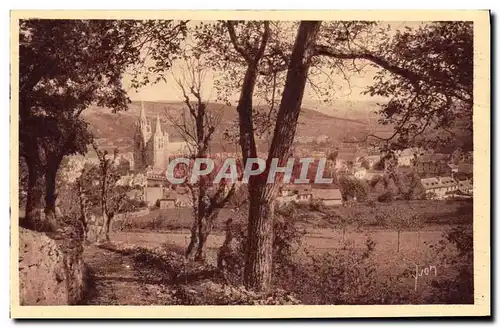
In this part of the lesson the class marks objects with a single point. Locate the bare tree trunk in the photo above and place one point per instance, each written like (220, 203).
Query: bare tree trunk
(50, 194)
(258, 264)
(203, 236)
(107, 225)
(34, 205)
(83, 209)
(194, 239)
(259, 248)
(244, 108)
(202, 239)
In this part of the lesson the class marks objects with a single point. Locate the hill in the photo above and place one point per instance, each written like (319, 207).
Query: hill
(117, 129)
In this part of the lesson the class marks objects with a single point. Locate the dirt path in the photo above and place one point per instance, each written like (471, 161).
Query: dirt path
(117, 279)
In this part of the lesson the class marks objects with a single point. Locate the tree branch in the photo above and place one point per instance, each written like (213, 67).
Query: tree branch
(234, 40)
(323, 50)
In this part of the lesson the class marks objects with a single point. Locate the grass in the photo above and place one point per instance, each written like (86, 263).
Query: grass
(392, 271)
(175, 219)
(433, 213)
(388, 264)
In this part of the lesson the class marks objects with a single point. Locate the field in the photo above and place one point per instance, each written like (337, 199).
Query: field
(431, 213)
(407, 271)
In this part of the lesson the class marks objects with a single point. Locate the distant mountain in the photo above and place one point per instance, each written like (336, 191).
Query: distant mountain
(360, 110)
(117, 129)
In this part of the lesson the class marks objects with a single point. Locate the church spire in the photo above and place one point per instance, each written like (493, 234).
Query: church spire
(158, 124)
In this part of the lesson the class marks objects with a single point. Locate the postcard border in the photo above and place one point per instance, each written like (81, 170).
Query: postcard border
(481, 123)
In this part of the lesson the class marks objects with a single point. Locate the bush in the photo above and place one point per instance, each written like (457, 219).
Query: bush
(132, 205)
(342, 277)
(316, 205)
(386, 197)
(210, 292)
(460, 288)
(352, 188)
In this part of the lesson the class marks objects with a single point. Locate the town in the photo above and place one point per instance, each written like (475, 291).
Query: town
(441, 176)
(184, 162)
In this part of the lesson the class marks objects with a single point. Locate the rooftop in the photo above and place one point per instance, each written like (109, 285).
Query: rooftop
(327, 194)
(438, 182)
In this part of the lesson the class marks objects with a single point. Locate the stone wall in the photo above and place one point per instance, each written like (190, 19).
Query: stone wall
(51, 269)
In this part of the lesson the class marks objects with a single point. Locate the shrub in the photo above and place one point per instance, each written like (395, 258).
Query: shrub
(352, 188)
(386, 197)
(316, 205)
(458, 289)
(209, 292)
(343, 277)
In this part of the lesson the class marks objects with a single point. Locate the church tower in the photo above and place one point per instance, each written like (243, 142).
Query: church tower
(142, 136)
(150, 144)
(159, 146)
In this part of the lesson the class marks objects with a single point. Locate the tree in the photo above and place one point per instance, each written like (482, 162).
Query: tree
(66, 65)
(351, 188)
(111, 195)
(258, 262)
(344, 219)
(264, 56)
(197, 130)
(427, 74)
(365, 164)
(258, 58)
(399, 219)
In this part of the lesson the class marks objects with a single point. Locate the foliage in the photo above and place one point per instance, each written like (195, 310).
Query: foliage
(215, 293)
(82, 181)
(365, 164)
(352, 188)
(435, 65)
(343, 277)
(65, 66)
(458, 289)
(395, 185)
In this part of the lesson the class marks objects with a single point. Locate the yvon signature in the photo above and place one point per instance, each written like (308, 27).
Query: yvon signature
(425, 271)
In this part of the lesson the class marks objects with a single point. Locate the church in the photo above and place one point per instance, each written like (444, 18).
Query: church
(152, 146)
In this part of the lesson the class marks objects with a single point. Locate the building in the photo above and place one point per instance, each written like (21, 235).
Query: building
(372, 159)
(322, 139)
(370, 174)
(304, 195)
(432, 166)
(300, 193)
(407, 156)
(152, 146)
(453, 168)
(167, 203)
(153, 194)
(318, 154)
(359, 173)
(440, 187)
(329, 197)
(465, 186)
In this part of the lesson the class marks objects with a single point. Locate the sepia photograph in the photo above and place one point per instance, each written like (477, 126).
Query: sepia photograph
(182, 163)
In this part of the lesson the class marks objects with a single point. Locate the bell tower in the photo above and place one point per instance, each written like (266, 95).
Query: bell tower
(142, 138)
(159, 146)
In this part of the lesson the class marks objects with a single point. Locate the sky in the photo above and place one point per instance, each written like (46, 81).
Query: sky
(170, 91)
(344, 90)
